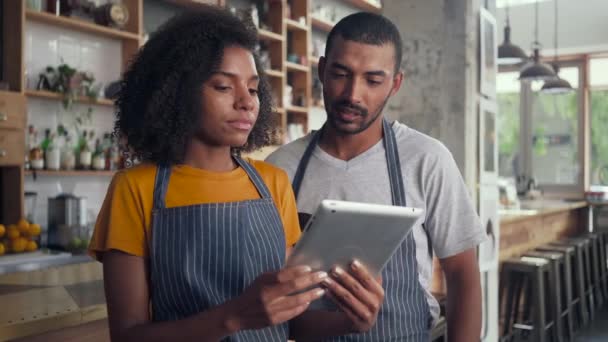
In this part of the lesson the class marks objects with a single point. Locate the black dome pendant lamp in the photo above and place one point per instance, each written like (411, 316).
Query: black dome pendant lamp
(536, 70)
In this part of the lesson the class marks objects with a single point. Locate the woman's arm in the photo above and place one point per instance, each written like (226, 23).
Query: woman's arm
(264, 303)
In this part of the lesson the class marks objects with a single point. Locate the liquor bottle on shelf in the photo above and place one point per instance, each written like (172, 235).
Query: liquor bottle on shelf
(36, 155)
(52, 154)
(99, 159)
(85, 155)
(68, 156)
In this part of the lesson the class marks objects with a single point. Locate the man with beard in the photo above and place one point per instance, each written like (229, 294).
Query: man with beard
(359, 156)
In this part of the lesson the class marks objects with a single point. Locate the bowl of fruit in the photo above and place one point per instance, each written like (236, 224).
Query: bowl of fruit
(20, 237)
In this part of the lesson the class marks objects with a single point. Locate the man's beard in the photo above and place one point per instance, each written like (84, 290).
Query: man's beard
(340, 105)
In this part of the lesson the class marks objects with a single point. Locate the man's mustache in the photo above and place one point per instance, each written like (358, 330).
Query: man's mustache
(351, 107)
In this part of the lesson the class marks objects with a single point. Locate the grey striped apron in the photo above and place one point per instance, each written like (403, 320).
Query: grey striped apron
(203, 255)
(405, 314)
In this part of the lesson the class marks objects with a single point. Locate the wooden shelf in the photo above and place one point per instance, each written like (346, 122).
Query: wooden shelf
(321, 24)
(49, 95)
(294, 25)
(297, 110)
(274, 73)
(281, 110)
(80, 25)
(268, 35)
(296, 67)
(365, 5)
(69, 173)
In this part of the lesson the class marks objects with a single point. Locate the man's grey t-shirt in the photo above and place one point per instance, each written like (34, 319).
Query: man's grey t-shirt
(432, 182)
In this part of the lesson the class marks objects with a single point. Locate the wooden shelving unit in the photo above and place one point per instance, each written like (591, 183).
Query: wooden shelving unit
(321, 24)
(294, 25)
(69, 173)
(297, 110)
(48, 95)
(80, 25)
(274, 73)
(17, 18)
(267, 35)
(296, 67)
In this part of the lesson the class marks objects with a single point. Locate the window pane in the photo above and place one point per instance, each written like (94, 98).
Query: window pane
(599, 137)
(555, 137)
(598, 72)
(508, 88)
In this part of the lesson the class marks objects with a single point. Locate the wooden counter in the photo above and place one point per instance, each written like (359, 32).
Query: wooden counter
(543, 222)
(50, 299)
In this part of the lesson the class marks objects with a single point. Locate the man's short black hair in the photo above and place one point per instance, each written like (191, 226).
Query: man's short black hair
(367, 28)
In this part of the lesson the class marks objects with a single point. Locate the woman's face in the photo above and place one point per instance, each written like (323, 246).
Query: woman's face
(230, 103)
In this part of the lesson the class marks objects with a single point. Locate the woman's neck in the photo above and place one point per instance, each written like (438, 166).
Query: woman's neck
(207, 157)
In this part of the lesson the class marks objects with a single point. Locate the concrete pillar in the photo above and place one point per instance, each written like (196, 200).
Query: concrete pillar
(439, 94)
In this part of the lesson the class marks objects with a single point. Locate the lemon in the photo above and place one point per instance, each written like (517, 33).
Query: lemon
(23, 226)
(2, 230)
(34, 229)
(31, 246)
(2, 249)
(18, 245)
(12, 232)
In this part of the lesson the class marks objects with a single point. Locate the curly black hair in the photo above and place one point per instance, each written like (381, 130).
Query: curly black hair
(158, 104)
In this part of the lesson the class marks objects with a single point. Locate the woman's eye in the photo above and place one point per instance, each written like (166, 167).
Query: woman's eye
(222, 88)
(253, 91)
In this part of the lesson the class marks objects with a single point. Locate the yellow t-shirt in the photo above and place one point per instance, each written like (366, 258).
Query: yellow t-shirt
(125, 220)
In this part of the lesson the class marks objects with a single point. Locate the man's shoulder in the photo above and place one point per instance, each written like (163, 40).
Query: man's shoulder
(413, 142)
(288, 156)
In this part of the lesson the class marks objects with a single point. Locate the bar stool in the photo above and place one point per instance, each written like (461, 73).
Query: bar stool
(556, 266)
(570, 299)
(603, 263)
(530, 275)
(596, 278)
(581, 279)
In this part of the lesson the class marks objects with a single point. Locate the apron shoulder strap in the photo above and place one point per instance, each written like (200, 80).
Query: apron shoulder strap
(255, 177)
(301, 170)
(161, 182)
(394, 165)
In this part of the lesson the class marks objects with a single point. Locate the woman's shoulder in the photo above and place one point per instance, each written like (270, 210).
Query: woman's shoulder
(269, 172)
(138, 176)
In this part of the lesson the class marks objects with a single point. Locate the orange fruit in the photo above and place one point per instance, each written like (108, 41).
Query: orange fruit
(18, 245)
(31, 246)
(23, 226)
(12, 232)
(34, 230)
(2, 230)
(2, 249)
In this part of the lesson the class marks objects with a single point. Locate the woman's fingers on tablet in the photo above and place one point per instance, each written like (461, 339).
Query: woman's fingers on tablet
(361, 273)
(359, 324)
(297, 300)
(345, 298)
(290, 273)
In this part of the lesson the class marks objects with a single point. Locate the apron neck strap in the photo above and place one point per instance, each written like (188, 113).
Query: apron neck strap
(163, 173)
(392, 157)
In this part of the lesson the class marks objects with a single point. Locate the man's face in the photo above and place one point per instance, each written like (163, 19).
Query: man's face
(357, 81)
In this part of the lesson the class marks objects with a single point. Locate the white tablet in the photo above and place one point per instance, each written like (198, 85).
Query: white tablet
(341, 231)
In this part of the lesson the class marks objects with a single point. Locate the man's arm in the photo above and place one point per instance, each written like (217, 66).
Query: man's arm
(464, 291)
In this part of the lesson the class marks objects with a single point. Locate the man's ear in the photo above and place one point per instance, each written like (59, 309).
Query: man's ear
(397, 80)
(321, 69)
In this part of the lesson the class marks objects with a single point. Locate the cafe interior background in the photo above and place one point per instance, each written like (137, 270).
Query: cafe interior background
(517, 90)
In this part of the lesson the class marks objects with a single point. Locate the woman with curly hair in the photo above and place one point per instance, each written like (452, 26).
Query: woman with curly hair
(193, 239)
